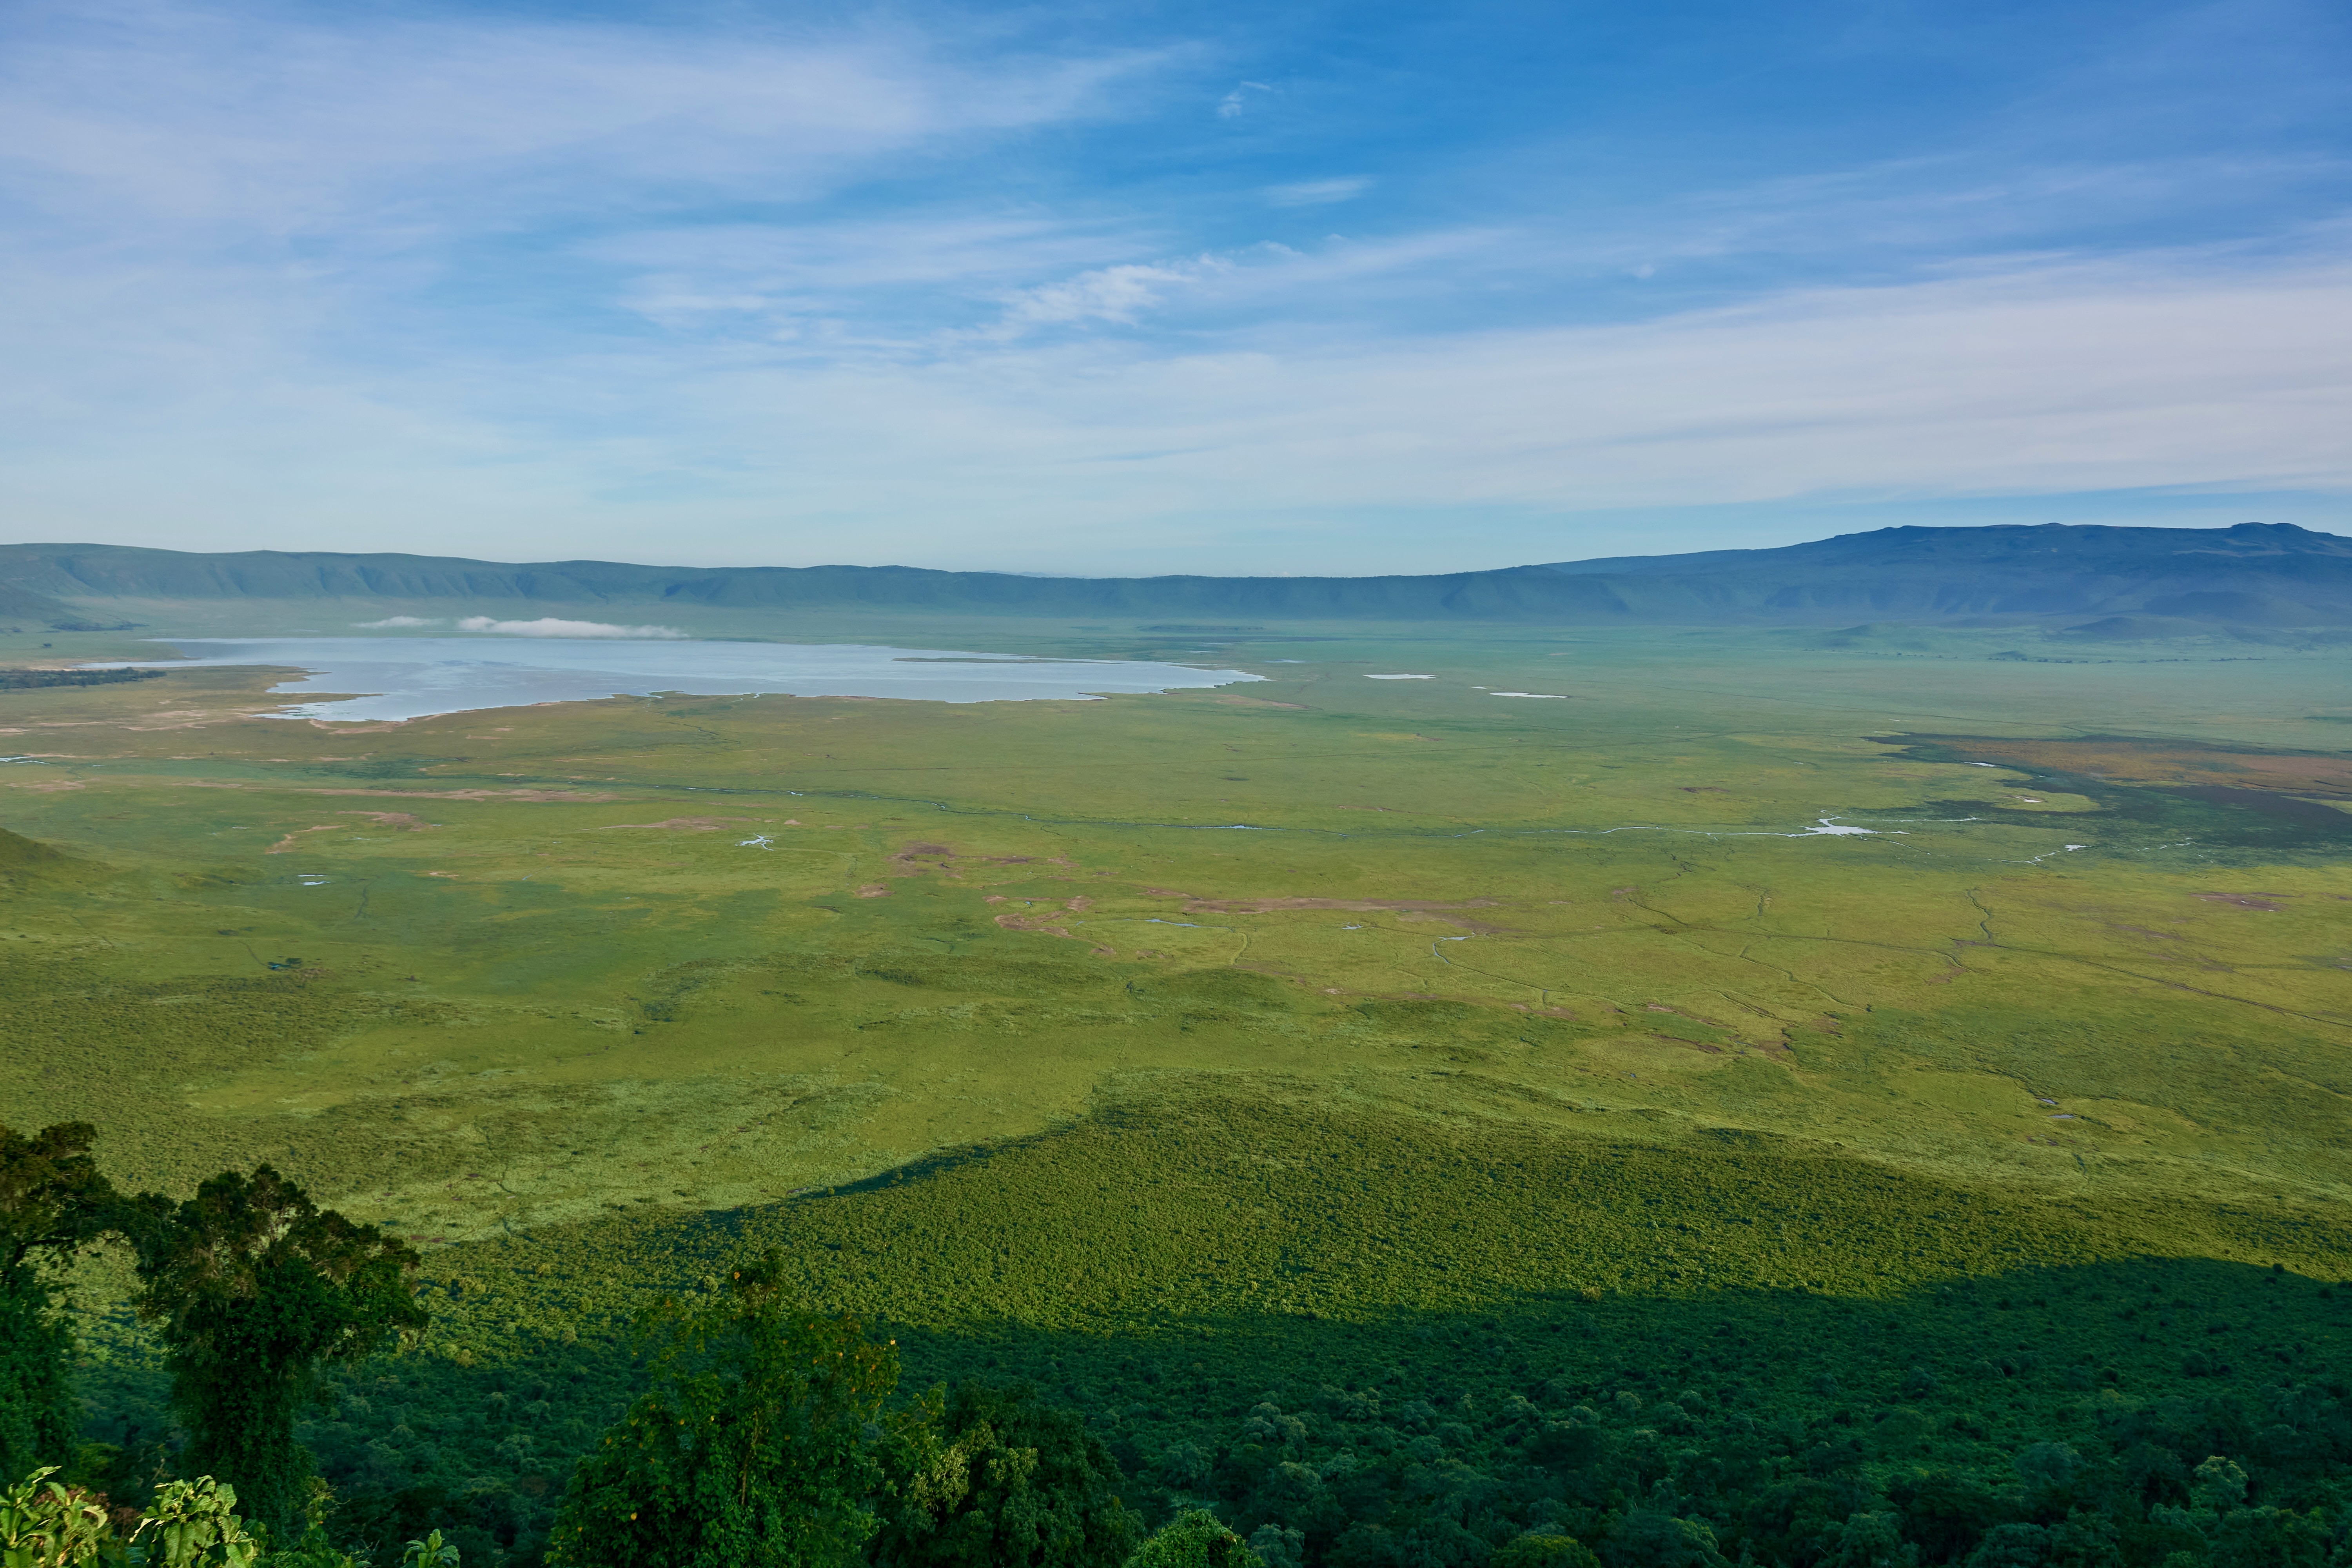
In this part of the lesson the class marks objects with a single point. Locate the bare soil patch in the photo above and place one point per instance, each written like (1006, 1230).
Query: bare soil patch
(1267, 906)
(579, 797)
(2264, 901)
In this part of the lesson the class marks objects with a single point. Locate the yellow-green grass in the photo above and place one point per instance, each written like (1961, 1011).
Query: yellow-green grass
(516, 1001)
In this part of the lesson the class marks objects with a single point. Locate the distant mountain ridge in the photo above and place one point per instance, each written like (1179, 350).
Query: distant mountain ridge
(2260, 575)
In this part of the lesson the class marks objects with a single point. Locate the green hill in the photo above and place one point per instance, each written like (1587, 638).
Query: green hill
(19, 606)
(25, 862)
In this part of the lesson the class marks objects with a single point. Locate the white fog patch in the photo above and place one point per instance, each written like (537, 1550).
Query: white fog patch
(390, 621)
(549, 627)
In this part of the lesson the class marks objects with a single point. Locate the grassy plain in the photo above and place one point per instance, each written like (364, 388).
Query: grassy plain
(1396, 1022)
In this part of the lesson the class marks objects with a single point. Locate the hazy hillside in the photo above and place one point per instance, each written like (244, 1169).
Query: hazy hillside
(2253, 574)
(2259, 573)
(20, 607)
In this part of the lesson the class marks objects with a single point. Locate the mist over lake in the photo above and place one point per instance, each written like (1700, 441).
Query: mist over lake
(408, 677)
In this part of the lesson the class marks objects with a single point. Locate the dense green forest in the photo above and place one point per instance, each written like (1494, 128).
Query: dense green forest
(35, 680)
(2066, 1408)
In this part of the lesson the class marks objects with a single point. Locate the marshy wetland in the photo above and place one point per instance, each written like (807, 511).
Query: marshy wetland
(1917, 1056)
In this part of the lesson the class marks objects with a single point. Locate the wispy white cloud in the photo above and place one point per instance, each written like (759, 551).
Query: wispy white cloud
(551, 626)
(1319, 192)
(534, 287)
(391, 622)
(1105, 293)
(2052, 379)
(1236, 102)
(927, 271)
(384, 132)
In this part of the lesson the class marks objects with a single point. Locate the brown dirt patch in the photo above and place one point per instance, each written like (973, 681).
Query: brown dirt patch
(917, 859)
(2264, 901)
(1042, 923)
(682, 823)
(1268, 906)
(581, 797)
(402, 821)
(1481, 926)
(1673, 1042)
(1257, 702)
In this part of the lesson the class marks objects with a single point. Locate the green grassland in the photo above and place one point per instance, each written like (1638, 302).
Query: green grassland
(1303, 1035)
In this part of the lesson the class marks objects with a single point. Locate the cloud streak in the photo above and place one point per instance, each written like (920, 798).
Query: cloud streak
(258, 115)
(1236, 104)
(2043, 379)
(1319, 192)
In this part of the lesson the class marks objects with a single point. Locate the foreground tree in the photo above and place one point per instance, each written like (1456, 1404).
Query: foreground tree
(1009, 1483)
(53, 1202)
(761, 1443)
(1544, 1551)
(1195, 1539)
(191, 1525)
(256, 1288)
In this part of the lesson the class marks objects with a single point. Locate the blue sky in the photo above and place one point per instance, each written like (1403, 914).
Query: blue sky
(1105, 287)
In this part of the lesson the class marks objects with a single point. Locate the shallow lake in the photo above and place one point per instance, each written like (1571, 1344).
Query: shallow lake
(409, 677)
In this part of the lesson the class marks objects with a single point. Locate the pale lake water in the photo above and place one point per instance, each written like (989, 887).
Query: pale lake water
(409, 678)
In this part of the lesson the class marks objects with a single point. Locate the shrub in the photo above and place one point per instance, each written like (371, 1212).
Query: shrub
(1195, 1539)
(1011, 1483)
(1545, 1551)
(752, 1450)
